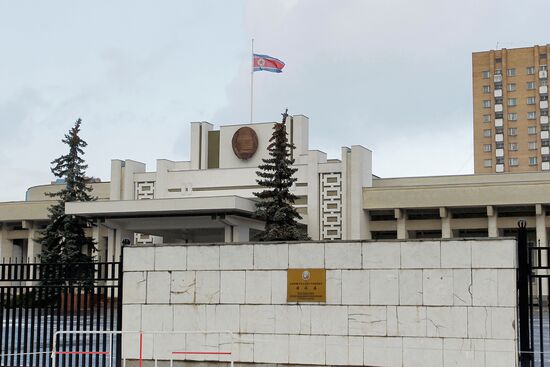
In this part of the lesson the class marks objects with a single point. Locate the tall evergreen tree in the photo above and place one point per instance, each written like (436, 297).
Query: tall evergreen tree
(64, 239)
(276, 201)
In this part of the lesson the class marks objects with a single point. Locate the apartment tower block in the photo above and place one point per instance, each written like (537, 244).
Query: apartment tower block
(510, 99)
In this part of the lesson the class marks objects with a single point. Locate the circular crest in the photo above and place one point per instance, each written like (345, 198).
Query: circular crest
(306, 275)
(245, 142)
(261, 62)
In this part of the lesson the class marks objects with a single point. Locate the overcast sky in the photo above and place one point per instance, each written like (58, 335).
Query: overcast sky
(393, 76)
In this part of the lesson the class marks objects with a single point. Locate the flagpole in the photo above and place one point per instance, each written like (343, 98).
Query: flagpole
(252, 84)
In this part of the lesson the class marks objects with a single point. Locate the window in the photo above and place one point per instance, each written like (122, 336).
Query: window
(498, 60)
(542, 56)
(486, 103)
(499, 130)
(498, 72)
(544, 82)
(499, 145)
(486, 118)
(500, 160)
(513, 162)
(512, 116)
(486, 89)
(531, 85)
(499, 115)
(532, 145)
(543, 68)
(487, 147)
(513, 131)
(545, 143)
(531, 70)
(487, 133)
(512, 87)
(485, 74)
(531, 100)
(531, 115)
(511, 72)
(512, 101)
(513, 146)
(544, 127)
(532, 161)
(487, 163)
(531, 130)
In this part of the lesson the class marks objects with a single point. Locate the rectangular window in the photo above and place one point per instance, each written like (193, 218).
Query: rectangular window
(531, 85)
(543, 82)
(487, 133)
(532, 161)
(531, 100)
(542, 56)
(544, 127)
(512, 87)
(487, 163)
(499, 145)
(531, 130)
(545, 143)
(486, 118)
(513, 162)
(486, 89)
(499, 130)
(512, 101)
(500, 160)
(543, 68)
(532, 145)
(512, 116)
(511, 72)
(487, 147)
(513, 146)
(512, 131)
(498, 72)
(531, 115)
(531, 70)
(498, 60)
(485, 74)
(486, 103)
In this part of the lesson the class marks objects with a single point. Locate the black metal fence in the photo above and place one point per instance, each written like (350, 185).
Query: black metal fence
(37, 300)
(533, 290)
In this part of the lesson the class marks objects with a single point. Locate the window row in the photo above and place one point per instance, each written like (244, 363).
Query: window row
(512, 87)
(513, 131)
(486, 103)
(513, 147)
(513, 162)
(530, 70)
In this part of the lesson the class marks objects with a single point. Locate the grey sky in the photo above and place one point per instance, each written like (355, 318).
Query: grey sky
(394, 76)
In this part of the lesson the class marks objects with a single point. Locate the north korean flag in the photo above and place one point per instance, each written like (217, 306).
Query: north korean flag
(267, 63)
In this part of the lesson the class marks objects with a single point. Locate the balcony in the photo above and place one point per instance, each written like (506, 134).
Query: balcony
(499, 122)
(544, 119)
(543, 89)
(499, 152)
(498, 92)
(545, 166)
(544, 134)
(497, 78)
(545, 150)
(500, 137)
(500, 168)
(543, 104)
(543, 74)
(498, 107)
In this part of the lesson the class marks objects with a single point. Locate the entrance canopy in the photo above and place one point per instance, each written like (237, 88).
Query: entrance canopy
(192, 219)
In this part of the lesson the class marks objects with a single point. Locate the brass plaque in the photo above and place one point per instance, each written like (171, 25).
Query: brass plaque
(306, 285)
(245, 143)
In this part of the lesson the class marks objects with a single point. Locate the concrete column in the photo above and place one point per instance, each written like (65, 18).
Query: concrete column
(540, 220)
(34, 248)
(400, 215)
(97, 238)
(228, 233)
(6, 246)
(110, 245)
(115, 187)
(492, 226)
(445, 216)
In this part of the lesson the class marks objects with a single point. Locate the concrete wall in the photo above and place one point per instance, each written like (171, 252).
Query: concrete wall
(415, 303)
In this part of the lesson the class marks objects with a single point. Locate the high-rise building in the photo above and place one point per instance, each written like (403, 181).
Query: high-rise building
(510, 96)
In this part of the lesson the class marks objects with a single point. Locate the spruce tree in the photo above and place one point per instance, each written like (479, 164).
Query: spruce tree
(64, 239)
(276, 201)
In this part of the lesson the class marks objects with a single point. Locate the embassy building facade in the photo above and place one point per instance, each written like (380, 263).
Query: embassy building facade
(210, 199)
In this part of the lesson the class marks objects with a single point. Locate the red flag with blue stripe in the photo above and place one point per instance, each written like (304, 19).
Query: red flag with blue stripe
(267, 63)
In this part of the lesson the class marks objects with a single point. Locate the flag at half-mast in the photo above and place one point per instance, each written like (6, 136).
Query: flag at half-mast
(267, 63)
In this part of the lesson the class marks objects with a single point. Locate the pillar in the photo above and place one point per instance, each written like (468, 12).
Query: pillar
(540, 220)
(401, 217)
(6, 246)
(34, 248)
(445, 216)
(492, 227)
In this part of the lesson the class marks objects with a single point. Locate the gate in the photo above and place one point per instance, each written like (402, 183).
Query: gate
(37, 300)
(534, 308)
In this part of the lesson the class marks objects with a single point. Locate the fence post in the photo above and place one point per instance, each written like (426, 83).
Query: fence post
(525, 350)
